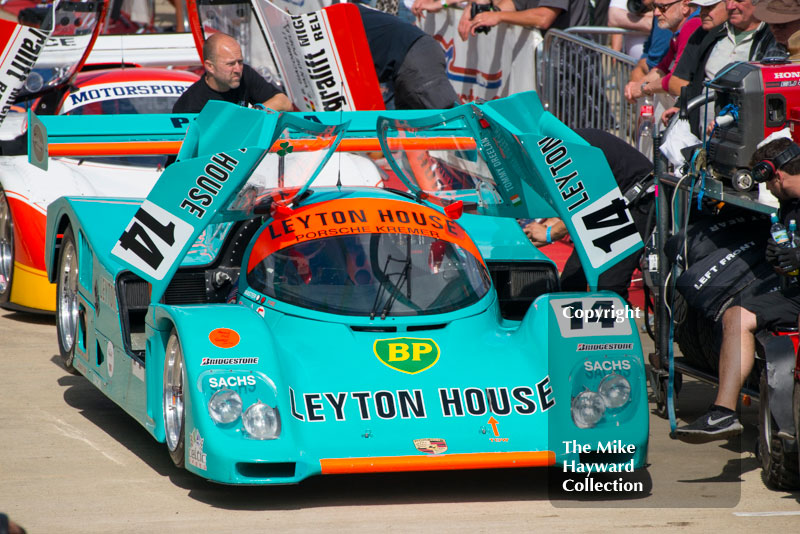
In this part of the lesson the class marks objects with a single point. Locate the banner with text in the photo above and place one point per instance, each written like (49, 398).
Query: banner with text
(487, 66)
(23, 46)
(321, 57)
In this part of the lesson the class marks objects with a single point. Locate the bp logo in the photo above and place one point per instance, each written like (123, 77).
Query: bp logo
(407, 354)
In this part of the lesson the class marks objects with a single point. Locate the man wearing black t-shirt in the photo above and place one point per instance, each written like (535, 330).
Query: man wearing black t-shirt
(749, 315)
(410, 60)
(227, 78)
(629, 168)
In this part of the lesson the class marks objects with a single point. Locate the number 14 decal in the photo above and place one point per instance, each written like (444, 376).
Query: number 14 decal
(591, 316)
(152, 240)
(605, 229)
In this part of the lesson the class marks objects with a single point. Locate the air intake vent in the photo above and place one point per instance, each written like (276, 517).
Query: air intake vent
(137, 293)
(187, 287)
(266, 470)
(518, 285)
(417, 328)
(373, 328)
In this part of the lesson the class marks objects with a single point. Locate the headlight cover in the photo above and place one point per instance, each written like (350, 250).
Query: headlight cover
(615, 390)
(261, 421)
(587, 409)
(225, 406)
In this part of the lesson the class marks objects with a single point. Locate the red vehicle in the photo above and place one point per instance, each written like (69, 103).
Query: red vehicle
(53, 87)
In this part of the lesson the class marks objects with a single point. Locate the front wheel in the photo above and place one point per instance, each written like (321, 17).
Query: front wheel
(6, 248)
(67, 300)
(173, 400)
(779, 467)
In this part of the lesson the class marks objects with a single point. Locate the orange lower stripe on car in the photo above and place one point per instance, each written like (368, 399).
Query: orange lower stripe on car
(480, 460)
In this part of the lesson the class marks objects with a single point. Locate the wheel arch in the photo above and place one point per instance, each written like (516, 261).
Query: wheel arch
(193, 325)
(55, 233)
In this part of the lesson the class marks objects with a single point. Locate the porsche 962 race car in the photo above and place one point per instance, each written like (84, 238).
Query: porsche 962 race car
(269, 319)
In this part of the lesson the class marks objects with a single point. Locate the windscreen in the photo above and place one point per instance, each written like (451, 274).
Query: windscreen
(374, 256)
(440, 157)
(376, 275)
(73, 27)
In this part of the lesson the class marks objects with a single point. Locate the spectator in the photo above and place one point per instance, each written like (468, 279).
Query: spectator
(742, 38)
(741, 322)
(598, 12)
(540, 14)
(678, 17)
(228, 78)
(655, 47)
(408, 59)
(783, 17)
(620, 16)
(7, 526)
(629, 168)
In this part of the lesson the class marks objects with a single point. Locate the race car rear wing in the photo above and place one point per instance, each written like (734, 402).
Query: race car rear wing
(155, 134)
(102, 135)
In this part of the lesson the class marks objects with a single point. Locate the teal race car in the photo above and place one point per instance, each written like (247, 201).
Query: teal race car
(320, 293)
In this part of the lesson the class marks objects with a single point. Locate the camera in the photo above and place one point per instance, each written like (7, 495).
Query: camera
(480, 8)
(638, 7)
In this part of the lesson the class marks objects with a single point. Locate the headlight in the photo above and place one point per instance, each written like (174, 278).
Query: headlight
(587, 409)
(615, 390)
(262, 421)
(225, 406)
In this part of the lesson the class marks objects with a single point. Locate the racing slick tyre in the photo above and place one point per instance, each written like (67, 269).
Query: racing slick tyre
(779, 467)
(67, 316)
(174, 418)
(6, 248)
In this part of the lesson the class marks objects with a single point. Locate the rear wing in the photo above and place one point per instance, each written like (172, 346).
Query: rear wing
(103, 135)
(534, 166)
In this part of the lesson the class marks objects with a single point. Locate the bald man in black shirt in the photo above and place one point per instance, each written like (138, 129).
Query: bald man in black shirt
(227, 78)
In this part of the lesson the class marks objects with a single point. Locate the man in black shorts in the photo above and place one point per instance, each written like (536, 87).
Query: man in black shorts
(410, 60)
(741, 322)
(630, 169)
(228, 78)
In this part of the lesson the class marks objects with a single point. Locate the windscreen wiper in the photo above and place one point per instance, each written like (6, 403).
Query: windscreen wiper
(396, 289)
(401, 277)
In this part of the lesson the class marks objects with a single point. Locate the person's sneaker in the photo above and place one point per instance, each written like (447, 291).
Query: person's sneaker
(717, 423)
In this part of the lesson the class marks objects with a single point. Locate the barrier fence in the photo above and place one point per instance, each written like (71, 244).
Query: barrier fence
(583, 82)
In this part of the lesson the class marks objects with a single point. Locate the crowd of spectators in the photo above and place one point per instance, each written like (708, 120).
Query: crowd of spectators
(742, 37)
(680, 18)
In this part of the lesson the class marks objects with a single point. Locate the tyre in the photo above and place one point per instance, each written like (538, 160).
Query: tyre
(174, 418)
(779, 467)
(67, 317)
(796, 415)
(6, 248)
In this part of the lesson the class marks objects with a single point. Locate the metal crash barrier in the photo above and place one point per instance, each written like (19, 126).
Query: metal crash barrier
(583, 82)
